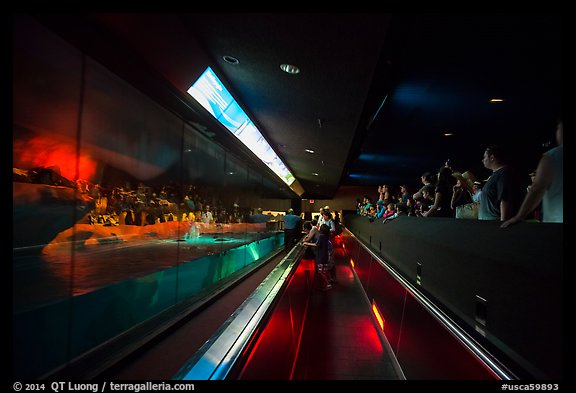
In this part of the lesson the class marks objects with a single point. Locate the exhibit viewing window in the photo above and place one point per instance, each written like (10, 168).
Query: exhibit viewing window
(124, 214)
(209, 91)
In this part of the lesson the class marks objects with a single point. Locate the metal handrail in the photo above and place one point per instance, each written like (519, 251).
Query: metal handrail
(452, 327)
(216, 357)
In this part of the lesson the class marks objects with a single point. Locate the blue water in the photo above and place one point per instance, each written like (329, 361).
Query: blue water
(53, 330)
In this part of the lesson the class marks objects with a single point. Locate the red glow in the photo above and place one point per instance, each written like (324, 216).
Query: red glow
(377, 314)
(274, 352)
(45, 151)
(338, 241)
(367, 333)
(292, 323)
(252, 349)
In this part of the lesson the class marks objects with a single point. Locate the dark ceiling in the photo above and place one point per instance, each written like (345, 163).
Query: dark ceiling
(376, 92)
(318, 109)
(445, 70)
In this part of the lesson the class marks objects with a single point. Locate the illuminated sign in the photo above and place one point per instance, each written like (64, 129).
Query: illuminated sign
(209, 91)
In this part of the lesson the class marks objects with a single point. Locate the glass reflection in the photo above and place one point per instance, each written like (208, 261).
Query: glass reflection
(121, 209)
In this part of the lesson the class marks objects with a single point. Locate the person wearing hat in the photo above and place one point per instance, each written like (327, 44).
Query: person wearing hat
(324, 250)
(327, 209)
(330, 269)
(292, 229)
(476, 191)
(321, 217)
(466, 179)
(462, 195)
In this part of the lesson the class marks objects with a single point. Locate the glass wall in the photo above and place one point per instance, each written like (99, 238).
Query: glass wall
(121, 210)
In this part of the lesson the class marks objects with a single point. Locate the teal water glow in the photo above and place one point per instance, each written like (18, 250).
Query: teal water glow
(51, 335)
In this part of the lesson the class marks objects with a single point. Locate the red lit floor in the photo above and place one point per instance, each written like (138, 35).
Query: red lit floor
(340, 340)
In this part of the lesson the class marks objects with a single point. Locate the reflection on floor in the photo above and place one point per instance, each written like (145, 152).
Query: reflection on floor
(340, 340)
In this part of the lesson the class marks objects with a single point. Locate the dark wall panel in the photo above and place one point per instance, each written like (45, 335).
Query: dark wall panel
(518, 271)
(428, 351)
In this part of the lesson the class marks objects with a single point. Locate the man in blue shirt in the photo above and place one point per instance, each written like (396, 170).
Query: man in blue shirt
(292, 229)
(502, 193)
(259, 217)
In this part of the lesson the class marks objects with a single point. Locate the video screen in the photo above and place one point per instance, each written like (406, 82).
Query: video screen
(209, 91)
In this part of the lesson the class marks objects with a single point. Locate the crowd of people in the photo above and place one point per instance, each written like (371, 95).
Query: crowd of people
(146, 205)
(502, 197)
(442, 195)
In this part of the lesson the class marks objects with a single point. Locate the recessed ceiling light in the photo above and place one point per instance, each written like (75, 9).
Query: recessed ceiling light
(496, 100)
(289, 68)
(230, 59)
(309, 151)
(314, 173)
(447, 134)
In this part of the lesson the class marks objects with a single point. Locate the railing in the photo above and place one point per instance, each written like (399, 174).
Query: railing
(233, 349)
(496, 292)
(421, 363)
